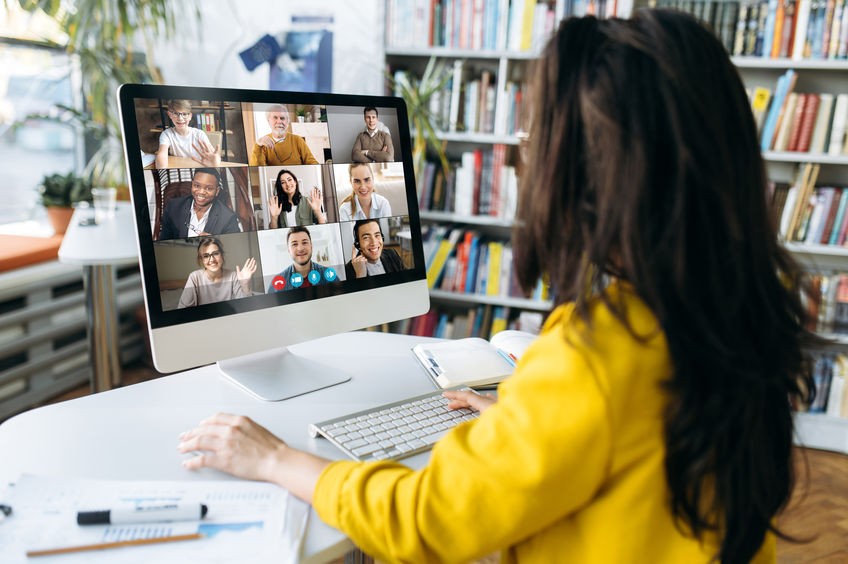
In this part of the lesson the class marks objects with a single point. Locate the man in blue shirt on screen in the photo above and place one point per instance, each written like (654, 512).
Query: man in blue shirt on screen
(303, 271)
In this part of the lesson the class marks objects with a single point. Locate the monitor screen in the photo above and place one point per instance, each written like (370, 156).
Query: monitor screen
(265, 219)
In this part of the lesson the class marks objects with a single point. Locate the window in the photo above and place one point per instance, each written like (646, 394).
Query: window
(33, 79)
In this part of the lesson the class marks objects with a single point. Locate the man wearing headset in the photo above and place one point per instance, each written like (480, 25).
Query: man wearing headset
(369, 258)
(199, 213)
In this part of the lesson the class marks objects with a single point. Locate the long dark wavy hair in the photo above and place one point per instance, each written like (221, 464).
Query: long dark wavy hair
(644, 165)
(282, 197)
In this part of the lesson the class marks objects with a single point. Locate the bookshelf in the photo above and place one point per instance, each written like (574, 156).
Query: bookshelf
(477, 116)
(814, 75)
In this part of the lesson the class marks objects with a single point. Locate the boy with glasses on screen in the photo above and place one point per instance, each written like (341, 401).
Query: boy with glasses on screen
(184, 141)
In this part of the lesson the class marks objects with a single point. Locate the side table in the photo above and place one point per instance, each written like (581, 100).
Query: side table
(98, 248)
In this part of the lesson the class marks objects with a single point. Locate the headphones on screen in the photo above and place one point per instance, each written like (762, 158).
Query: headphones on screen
(359, 223)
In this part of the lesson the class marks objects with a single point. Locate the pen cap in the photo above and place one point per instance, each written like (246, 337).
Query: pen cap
(92, 517)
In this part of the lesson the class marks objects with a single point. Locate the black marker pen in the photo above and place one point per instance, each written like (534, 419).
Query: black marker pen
(144, 514)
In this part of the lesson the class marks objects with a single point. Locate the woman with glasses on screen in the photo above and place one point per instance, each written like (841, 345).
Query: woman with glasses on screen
(650, 421)
(288, 207)
(214, 283)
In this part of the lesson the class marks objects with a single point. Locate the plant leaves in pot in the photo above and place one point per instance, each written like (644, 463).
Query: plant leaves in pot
(58, 193)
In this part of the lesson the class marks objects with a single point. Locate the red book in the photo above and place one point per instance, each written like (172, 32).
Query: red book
(795, 128)
(808, 122)
(831, 217)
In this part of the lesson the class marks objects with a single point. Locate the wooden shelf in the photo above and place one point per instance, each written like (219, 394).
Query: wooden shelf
(517, 303)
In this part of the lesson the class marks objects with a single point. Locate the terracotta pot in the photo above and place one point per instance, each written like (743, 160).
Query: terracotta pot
(60, 218)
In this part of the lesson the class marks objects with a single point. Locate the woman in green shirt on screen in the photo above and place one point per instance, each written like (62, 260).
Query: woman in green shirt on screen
(650, 421)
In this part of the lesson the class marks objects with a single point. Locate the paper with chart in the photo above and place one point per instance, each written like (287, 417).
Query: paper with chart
(246, 521)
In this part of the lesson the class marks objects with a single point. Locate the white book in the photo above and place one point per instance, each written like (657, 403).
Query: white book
(837, 128)
(802, 16)
(834, 398)
(506, 270)
(786, 123)
(503, 25)
(823, 121)
(788, 211)
(509, 192)
(456, 90)
(464, 186)
(473, 361)
(516, 15)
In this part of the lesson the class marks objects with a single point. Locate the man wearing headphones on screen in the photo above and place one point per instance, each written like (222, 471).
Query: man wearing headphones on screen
(200, 213)
(369, 258)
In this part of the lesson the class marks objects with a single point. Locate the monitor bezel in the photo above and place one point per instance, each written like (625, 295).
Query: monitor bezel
(157, 318)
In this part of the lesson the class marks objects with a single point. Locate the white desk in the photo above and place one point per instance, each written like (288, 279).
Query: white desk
(131, 433)
(97, 248)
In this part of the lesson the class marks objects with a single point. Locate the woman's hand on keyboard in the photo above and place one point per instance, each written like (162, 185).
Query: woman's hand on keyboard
(469, 399)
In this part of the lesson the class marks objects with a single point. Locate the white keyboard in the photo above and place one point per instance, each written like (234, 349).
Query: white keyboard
(394, 430)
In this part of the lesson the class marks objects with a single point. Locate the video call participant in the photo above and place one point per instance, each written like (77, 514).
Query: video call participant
(303, 271)
(199, 213)
(375, 143)
(214, 283)
(184, 141)
(280, 147)
(651, 421)
(370, 258)
(288, 207)
(363, 202)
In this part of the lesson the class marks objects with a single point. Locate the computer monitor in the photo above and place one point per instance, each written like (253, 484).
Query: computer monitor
(245, 207)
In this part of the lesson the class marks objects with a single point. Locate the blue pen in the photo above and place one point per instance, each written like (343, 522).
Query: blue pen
(507, 357)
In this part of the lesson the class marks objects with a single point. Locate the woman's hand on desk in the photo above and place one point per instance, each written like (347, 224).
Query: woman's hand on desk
(237, 445)
(471, 400)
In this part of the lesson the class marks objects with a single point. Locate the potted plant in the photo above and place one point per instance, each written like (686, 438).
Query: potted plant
(59, 192)
(417, 92)
(300, 112)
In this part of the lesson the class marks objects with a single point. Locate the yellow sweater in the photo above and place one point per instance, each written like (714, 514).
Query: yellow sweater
(566, 467)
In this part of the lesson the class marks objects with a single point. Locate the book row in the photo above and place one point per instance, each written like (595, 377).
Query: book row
(827, 303)
(810, 214)
(470, 101)
(479, 184)
(464, 261)
(829, 373)
(482, 321)
(797, 29)
(800, 122)
(493, 25)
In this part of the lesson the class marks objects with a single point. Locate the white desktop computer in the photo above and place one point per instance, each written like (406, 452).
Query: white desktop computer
(265, 219)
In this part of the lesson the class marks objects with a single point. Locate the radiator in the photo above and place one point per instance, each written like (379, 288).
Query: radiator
(43, 341)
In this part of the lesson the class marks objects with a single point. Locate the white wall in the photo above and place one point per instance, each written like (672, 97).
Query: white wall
(231, 26)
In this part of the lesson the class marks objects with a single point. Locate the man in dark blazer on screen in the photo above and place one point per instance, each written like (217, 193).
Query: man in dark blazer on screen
(199, 213)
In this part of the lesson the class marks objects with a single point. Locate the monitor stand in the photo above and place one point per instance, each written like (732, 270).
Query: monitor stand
(279, 374)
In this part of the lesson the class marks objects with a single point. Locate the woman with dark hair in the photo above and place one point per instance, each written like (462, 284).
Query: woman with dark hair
(650, 421)
(288, 207)
(214, 283)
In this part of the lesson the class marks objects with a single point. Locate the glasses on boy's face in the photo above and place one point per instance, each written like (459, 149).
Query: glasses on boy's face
(181, 115)
(208, 256)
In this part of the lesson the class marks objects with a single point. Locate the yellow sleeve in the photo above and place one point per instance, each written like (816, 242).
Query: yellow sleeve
(533, 458)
